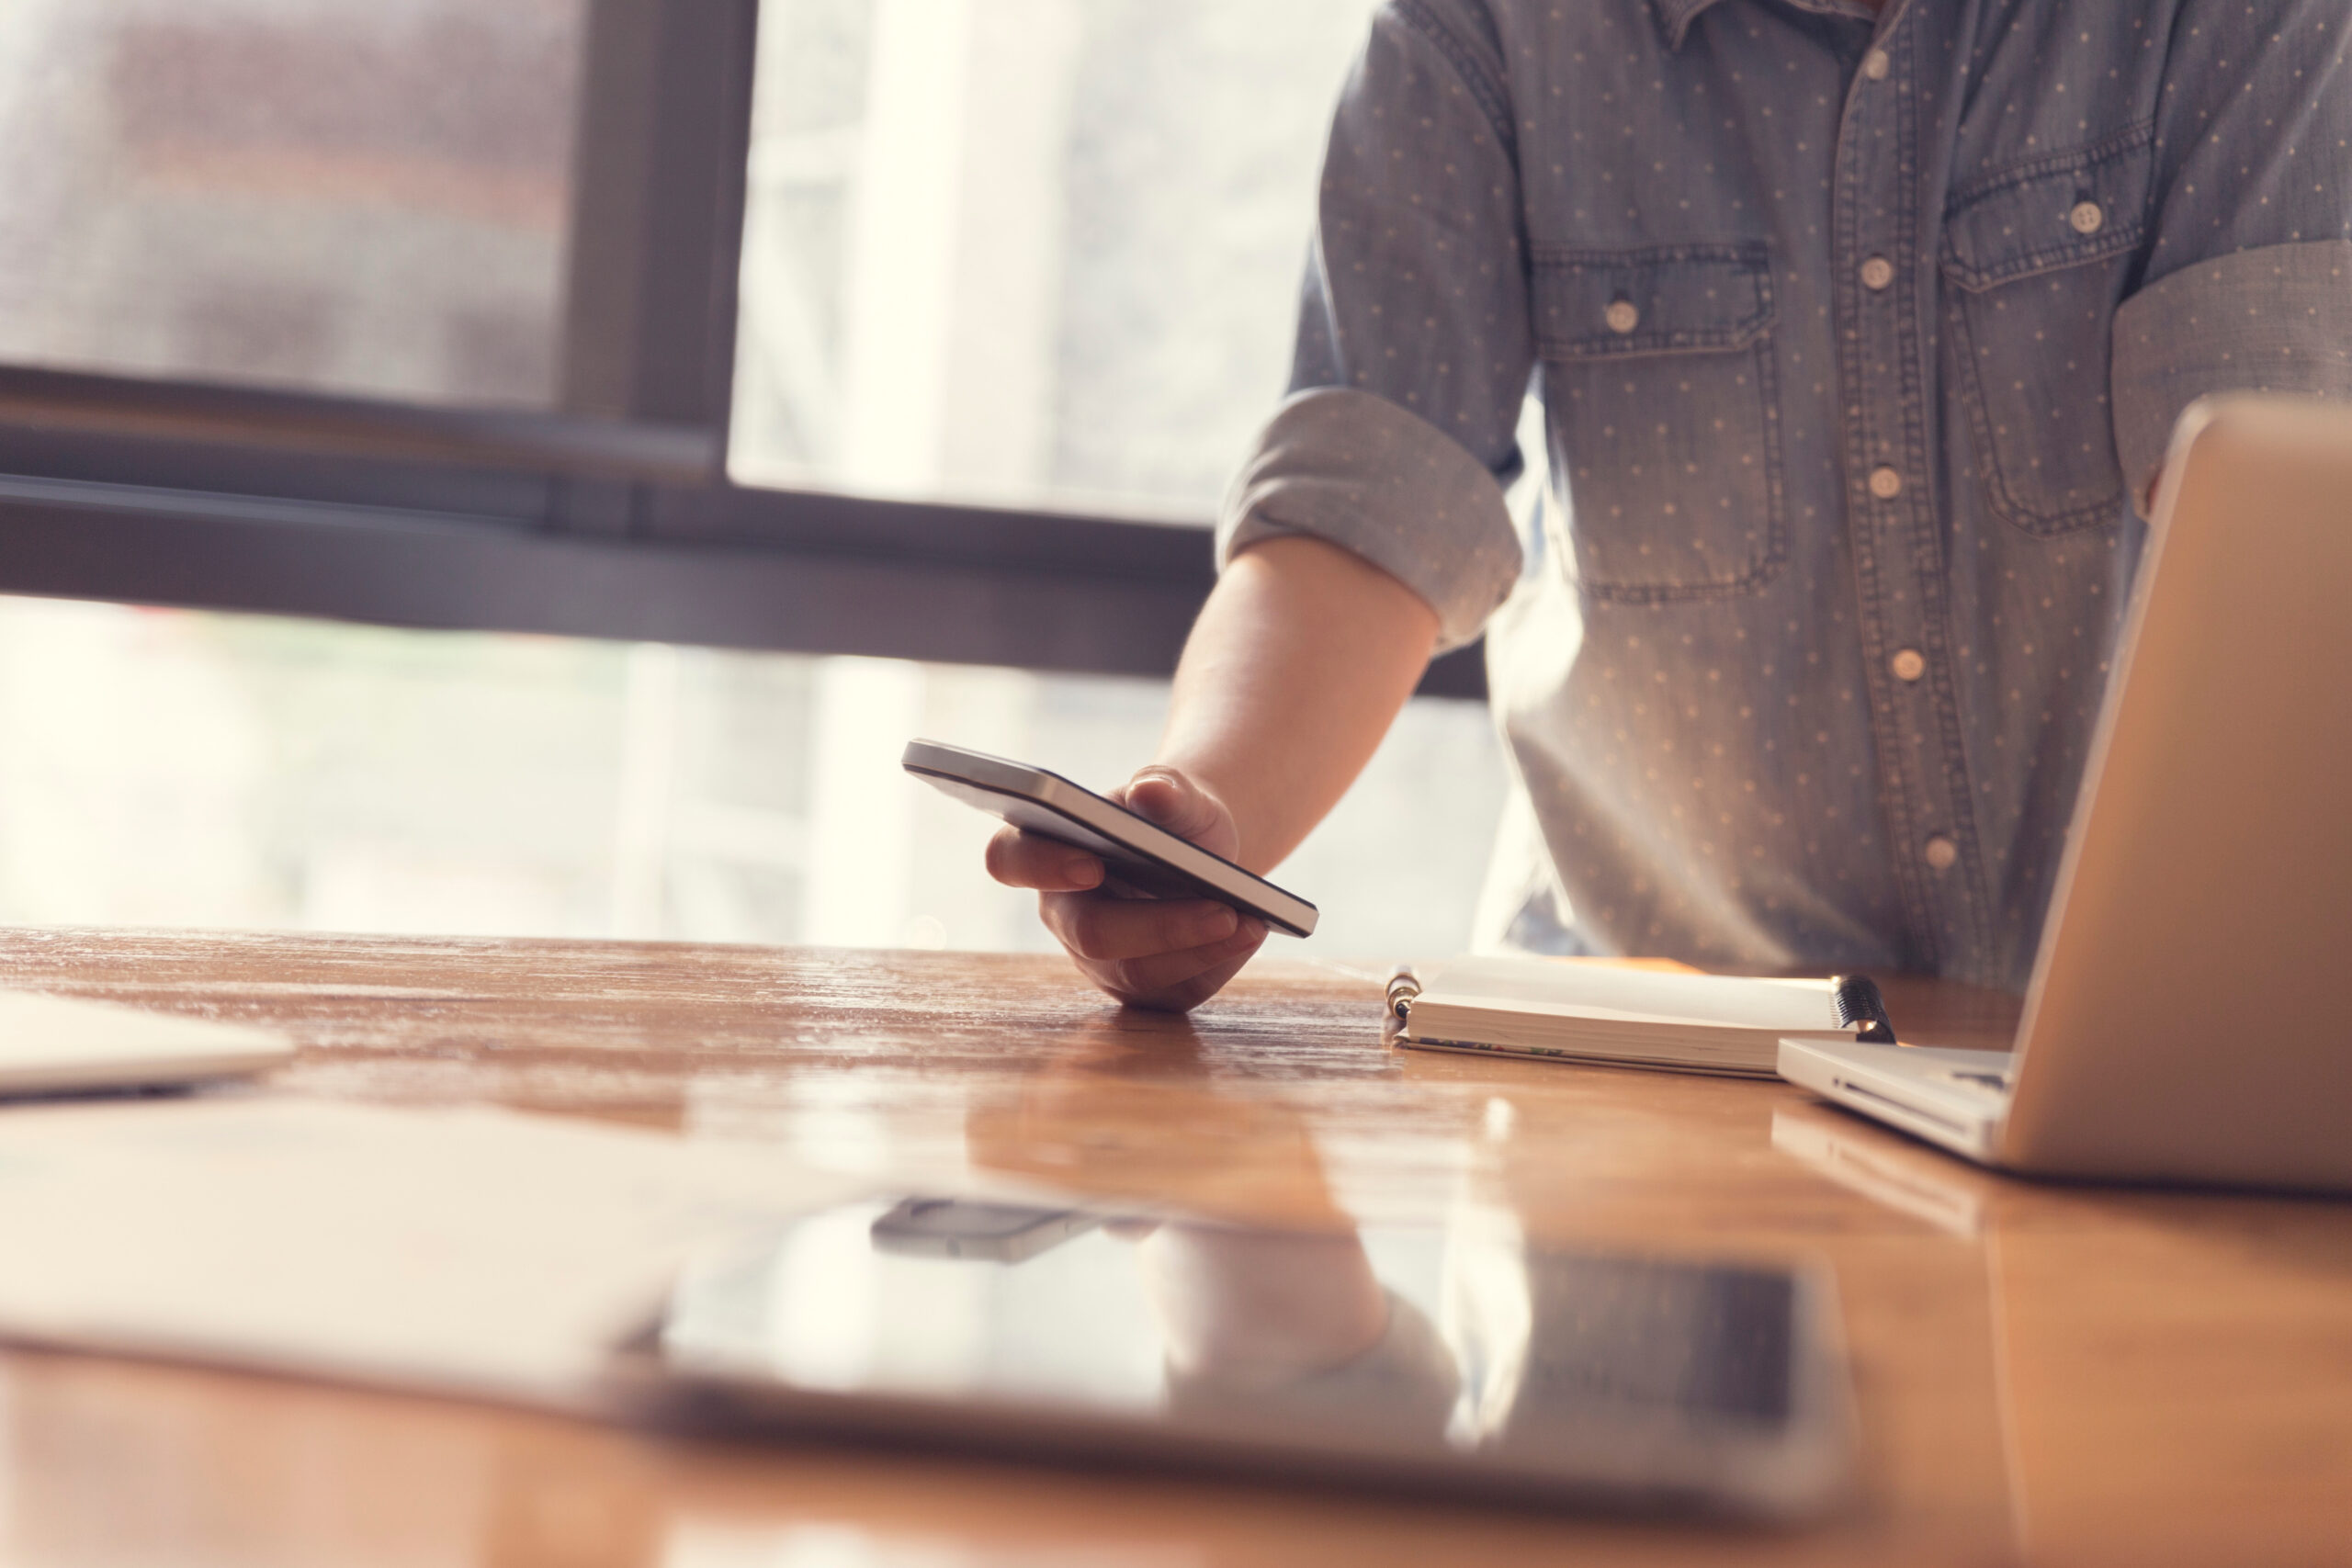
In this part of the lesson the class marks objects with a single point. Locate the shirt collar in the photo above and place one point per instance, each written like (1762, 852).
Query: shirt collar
(1677, 16)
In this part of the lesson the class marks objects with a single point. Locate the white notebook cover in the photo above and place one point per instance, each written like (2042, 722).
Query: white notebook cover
(1599, 1012)
(51, 1045)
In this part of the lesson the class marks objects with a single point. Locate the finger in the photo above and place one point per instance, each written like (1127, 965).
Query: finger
(1109, 930)
(1031, 859)
(1178, 982)
(1165, 971)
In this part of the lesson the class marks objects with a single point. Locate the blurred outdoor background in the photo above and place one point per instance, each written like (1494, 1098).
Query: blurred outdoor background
(1038, 252)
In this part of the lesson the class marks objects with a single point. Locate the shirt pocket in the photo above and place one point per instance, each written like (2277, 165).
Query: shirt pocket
(2036, 256)
(1657, 380)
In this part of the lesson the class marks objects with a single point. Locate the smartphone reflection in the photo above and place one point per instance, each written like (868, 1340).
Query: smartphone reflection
(1247, 1314)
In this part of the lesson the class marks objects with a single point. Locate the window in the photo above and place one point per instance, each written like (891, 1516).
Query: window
(427, 313)
(1038, 252)
(188, 768)
(370, 201)
(785, 337)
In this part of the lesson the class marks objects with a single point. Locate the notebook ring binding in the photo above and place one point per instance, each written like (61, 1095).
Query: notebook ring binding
(1858, 999)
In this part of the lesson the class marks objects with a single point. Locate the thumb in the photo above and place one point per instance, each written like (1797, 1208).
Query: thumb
(1174, 802)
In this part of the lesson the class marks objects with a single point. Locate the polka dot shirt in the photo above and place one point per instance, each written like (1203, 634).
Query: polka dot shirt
(1856, 336)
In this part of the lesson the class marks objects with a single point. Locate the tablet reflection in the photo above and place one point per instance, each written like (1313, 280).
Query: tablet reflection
(1259, 1313)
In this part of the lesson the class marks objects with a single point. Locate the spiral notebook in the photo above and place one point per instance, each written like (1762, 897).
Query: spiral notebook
(1665, 1018)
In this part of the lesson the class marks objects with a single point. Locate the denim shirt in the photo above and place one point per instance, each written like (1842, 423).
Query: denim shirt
(1857, 336)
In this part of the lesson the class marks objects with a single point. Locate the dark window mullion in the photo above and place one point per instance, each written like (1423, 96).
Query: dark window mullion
(657, 207)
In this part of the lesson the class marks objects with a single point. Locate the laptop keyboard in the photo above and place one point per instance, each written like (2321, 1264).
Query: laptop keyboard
(1998, 1082)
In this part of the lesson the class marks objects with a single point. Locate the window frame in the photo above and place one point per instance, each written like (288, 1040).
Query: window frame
(614, 518)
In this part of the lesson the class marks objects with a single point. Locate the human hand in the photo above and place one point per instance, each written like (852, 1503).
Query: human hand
(1167, 953)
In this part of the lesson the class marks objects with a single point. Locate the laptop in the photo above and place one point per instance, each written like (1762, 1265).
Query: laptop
(63, 1044)
(2189, 1014)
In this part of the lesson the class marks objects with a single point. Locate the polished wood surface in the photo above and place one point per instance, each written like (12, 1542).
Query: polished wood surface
(2044, 1374)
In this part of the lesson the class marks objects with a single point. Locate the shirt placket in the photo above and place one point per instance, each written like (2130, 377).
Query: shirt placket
(1879, 255)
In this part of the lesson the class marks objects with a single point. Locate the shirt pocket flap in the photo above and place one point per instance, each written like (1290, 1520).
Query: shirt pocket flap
(1669, 300)
(2050, 213)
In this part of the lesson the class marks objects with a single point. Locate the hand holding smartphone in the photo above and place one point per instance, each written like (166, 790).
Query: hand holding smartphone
(1150, 861)
(1150, 910)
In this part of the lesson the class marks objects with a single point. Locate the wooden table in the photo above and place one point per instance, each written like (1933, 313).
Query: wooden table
(2044, 1374)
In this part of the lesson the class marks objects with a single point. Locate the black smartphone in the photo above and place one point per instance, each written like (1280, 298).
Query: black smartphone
(966, 1227)
(1142, 857)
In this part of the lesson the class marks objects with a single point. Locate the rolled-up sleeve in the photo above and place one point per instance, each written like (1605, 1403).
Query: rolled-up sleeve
(1359, 471)
(2248, 285)
(1414, 347)
(2273, 319)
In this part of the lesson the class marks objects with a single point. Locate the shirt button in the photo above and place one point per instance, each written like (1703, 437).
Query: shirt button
(2084, 218)
(1940, 852)
(1885, 483)
(1875, 65)
(1908, 664)
(1621, 317)
(1877, 273)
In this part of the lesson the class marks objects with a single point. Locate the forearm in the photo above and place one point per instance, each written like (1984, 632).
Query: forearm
(1299, 662)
